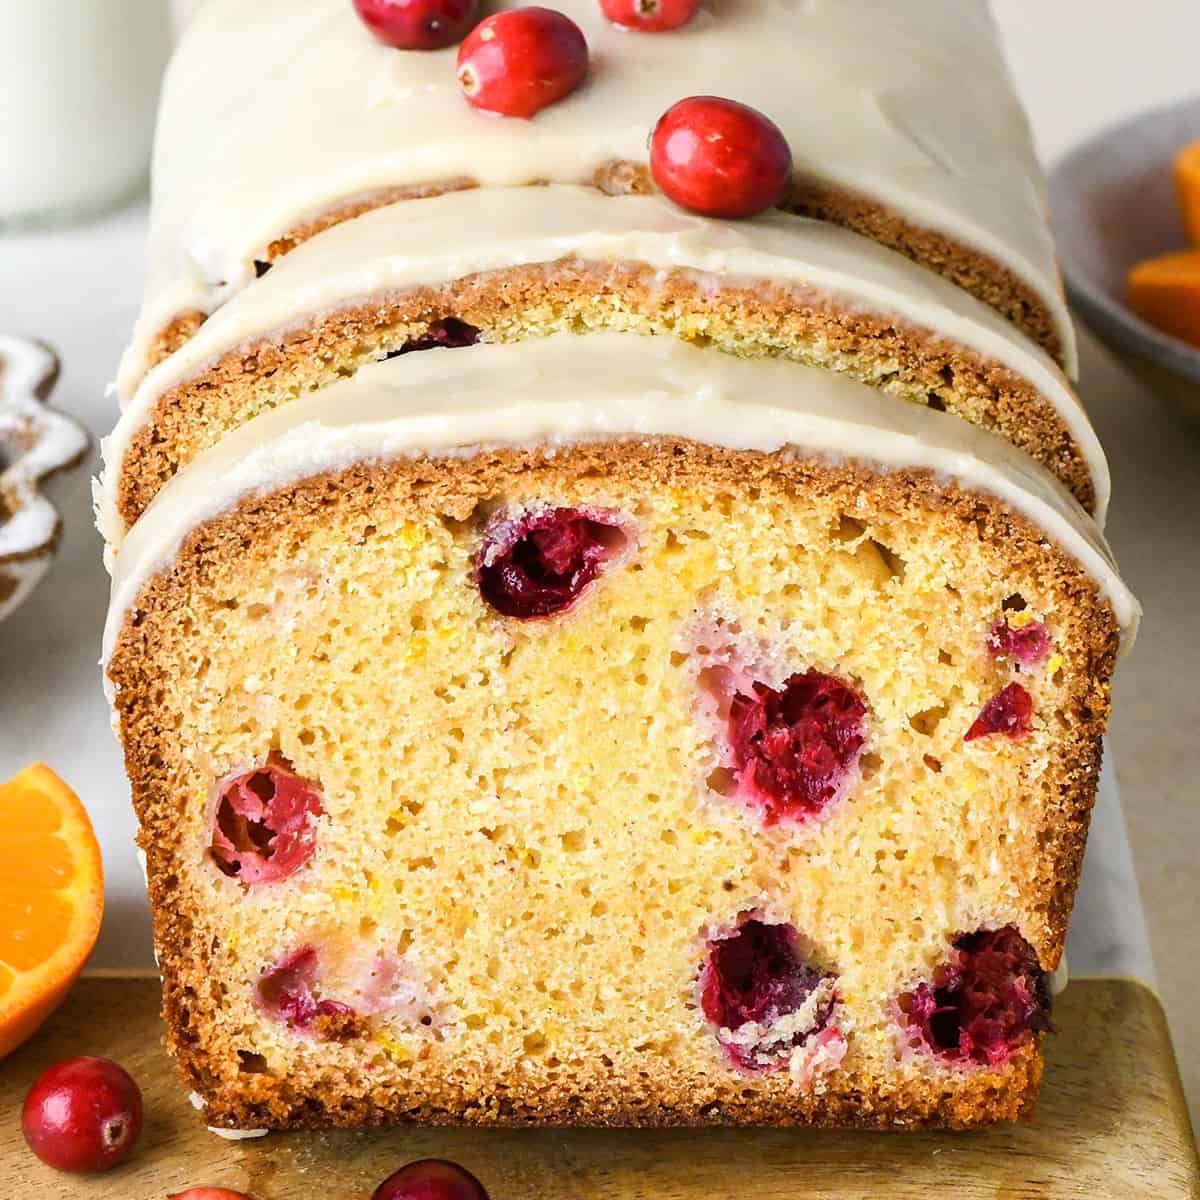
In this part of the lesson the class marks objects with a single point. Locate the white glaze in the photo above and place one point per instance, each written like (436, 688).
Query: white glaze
(563, 389)
(1060, 977)
(237, 1135)
(275, 112)
(435, 240)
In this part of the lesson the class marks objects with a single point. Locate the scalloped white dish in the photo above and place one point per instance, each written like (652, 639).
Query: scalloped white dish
(1112, 203)
(35, 442)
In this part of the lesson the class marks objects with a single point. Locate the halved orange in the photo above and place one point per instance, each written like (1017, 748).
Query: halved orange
(1187, 189)
(51, 898)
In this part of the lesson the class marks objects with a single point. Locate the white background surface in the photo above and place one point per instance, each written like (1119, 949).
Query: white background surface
(1079, 64)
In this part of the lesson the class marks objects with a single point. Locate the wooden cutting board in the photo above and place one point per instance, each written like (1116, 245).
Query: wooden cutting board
(1111, 1125)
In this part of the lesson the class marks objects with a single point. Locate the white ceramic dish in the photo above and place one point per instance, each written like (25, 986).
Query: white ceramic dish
(35, 442)
(1112, 202)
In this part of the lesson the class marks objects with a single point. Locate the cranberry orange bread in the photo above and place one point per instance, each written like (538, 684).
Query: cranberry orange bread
(428, 273)
(901, 119)
(602, 729)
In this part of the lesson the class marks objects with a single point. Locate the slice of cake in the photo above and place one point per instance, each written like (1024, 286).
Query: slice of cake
(429, 273)
(602, 729)
(901, 119)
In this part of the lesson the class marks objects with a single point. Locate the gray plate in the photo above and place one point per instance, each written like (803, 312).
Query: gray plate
(1112, 202)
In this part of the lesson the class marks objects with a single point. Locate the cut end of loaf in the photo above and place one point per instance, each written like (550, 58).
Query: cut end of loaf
(703, 842)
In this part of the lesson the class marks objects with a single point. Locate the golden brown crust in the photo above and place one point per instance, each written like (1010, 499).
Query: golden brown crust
(173, 335)
(973, 271)
(595, 1093)
(576, 295)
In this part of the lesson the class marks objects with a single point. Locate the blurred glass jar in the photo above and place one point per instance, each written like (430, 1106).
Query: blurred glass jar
(79, 84)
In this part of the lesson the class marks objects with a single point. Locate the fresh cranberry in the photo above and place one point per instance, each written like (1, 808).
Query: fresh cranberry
(649, 16)
(287, 991)
(418, 24)
(756, 976)
(1028, 644)
(719, 157)
(1008, 711)
(207, 1193)
(449, 333)
(82, 1115)
(431, 1179)
(792, 748)
(985, 1002)
(263, 830)
(518, 61)
(540, 563)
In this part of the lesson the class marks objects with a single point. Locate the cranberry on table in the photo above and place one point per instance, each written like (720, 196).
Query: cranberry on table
(649, 16)
(82, 1115)
(431, 1179)
(516, 62)
(719, 157)
(207, 1193)
(418, 24)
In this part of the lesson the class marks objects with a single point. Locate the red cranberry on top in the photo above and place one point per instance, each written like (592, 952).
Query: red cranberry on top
(719, 157)
(82, 1115)
(516, 62)
(649, 16)
(418, 24)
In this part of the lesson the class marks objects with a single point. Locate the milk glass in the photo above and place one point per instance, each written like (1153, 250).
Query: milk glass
(79, 84)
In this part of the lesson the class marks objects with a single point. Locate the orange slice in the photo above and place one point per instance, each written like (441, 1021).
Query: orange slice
(1165, 292)
(51, 898)
(1187, 188)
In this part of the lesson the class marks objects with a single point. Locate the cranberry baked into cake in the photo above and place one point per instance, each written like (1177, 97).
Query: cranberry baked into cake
(583, 661)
